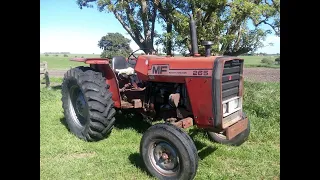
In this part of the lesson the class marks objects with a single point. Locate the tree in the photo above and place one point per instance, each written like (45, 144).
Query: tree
(114, 44)
(226, 23)
(136, 17)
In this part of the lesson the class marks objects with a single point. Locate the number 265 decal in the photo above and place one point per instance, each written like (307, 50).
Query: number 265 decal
(200, 73)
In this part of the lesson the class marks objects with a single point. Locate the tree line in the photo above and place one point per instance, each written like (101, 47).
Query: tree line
(235, 26)
(56, 53)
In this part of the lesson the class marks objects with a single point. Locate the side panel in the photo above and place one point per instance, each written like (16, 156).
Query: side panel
(141, 68)
(173, 69)
(112, 81)
(183, 62)
(164, 73)
(200, 95)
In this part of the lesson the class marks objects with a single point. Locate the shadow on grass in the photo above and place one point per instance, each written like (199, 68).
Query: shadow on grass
(137, 161)
(131, 119)
(195, 131)
(56, 87)
(124, 121)
(204, 149)
(63, 121)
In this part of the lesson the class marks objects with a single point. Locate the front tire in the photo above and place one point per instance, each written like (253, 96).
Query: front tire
(169, 153)
(87, 104)
(236, 141)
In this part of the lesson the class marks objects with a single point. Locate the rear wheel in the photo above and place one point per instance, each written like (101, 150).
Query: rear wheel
(87, 104)
(168, 152)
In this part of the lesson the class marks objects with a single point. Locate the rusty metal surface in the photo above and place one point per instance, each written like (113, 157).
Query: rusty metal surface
(236, 128)
(183, 113)
(126, 105)
(231, 119)
(184, 123)
(137, 103)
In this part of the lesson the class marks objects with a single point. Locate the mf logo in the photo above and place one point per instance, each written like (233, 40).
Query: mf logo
(159, 69)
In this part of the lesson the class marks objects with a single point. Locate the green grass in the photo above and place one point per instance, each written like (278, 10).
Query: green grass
(63, 156)
(60, 62)
(255, 61)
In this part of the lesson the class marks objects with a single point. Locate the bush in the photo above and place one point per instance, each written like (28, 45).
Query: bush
(82, 57)
(277, 60)
(56, 55)
(267, 61)
(65, 55)
(46, 54)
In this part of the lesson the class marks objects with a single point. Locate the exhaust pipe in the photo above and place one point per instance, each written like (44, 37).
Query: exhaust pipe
(193, 34)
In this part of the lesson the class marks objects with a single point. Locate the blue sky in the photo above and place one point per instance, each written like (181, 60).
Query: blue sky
(64, 27)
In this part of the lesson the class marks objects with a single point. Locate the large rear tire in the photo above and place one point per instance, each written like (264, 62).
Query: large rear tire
(169, 153)
(87, 103)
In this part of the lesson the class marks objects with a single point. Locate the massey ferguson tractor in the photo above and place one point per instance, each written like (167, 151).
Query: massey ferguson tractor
(202, 91)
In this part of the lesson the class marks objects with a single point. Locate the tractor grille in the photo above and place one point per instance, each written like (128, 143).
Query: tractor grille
(231, 79)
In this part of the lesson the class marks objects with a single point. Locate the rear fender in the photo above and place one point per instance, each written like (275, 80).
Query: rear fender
(112, 81)
(91, 60)
(102, 64)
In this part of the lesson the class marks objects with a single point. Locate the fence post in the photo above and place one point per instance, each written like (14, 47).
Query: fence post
(46, 76)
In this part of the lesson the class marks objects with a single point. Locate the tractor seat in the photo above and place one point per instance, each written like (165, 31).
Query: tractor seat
(119, 62)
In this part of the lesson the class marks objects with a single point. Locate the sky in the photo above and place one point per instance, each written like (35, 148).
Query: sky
(64, 27)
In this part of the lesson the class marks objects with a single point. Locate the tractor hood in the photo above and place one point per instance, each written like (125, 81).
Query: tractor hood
(151, 67)
(182, 62)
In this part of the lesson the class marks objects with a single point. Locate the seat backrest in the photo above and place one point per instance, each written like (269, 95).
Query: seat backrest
(132, 63)
(119, 62)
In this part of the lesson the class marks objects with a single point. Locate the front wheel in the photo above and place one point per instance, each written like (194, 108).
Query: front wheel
(168, 152)
(236, 141)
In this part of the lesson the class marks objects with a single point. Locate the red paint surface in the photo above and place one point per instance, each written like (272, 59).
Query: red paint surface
(200, 95)
(112, 81)
(92, 60)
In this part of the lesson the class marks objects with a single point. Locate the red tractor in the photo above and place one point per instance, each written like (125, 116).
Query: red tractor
(206, 91)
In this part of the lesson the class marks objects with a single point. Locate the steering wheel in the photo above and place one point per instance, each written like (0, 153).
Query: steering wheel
(132, 54)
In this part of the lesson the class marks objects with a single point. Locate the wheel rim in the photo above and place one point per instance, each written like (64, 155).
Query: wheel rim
(164, 158)
(221, 135)
(77, 106)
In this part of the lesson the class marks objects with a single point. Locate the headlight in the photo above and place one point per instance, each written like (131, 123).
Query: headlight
(236, 103)
(233, 104)
(225, 107)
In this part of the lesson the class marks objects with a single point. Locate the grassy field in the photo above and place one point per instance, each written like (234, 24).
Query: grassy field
(255, 61)
(60, 62)
(63, 156)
